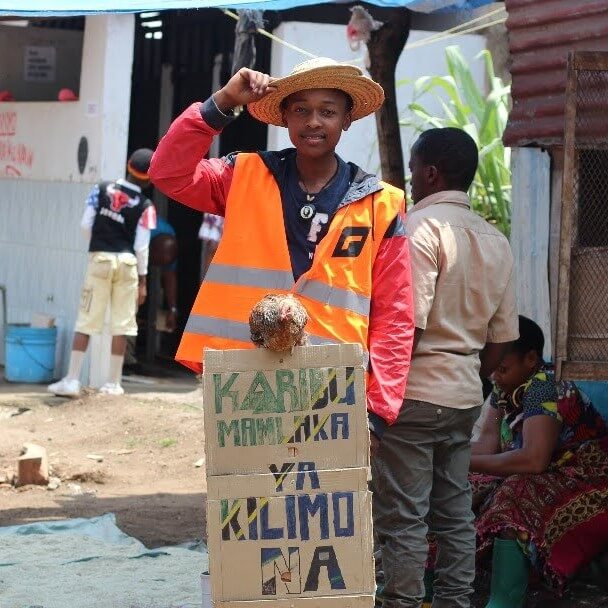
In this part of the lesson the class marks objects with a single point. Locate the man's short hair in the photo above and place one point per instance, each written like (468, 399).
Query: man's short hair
(531, 338)
(453, 152)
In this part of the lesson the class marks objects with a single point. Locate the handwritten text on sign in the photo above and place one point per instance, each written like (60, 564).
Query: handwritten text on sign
(247, 412)
(315, 516)
(287, 457)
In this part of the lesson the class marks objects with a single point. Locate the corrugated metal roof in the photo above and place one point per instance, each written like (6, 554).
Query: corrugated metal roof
(541, 33)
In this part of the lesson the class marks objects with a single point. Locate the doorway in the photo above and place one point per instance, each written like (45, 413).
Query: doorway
(181, 57)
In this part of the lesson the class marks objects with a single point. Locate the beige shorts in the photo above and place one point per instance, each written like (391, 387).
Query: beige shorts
(111, 279)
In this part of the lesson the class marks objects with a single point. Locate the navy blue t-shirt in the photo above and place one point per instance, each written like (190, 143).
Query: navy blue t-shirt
(303, 235)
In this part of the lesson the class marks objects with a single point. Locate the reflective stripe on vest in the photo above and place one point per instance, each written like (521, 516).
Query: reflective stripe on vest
(253, 260)
(212, 326)
(234, 330)
(249, 277)
(279, 279)
(334, 296)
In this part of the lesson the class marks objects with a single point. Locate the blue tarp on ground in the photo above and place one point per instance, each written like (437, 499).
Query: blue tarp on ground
(51, 8)
(91, 563)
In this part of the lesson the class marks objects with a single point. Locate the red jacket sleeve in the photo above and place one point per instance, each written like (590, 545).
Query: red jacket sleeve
(391, 325)
(180, 170)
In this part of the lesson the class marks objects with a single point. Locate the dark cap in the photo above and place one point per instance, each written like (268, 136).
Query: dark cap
(139, 163)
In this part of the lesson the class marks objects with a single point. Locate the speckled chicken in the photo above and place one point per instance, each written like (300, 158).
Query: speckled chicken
(277, 322)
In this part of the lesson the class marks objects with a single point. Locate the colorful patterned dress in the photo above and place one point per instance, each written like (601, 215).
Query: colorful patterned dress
(561, 515)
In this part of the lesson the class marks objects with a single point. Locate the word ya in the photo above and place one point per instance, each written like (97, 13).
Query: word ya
(295, 390)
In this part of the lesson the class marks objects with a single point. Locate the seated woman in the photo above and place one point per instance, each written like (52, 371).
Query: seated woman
(539, 473)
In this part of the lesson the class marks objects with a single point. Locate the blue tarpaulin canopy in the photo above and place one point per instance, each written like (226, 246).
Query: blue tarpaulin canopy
(53, 8)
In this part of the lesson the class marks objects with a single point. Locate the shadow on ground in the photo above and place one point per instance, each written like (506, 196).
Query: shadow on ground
(154, 519)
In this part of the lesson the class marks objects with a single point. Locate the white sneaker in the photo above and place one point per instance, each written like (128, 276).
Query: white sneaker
(112, 388)
(66, 387)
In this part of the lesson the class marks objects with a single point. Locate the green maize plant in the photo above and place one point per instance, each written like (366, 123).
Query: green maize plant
(483, 117)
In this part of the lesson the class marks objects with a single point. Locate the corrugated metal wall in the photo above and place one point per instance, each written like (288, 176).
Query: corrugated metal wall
(43, 253)
(541, 32)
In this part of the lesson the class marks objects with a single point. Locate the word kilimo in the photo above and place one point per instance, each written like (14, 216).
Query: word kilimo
(242, 403)
(334, 513)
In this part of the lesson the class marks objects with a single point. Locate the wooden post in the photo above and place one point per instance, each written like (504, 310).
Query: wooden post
(385, 46)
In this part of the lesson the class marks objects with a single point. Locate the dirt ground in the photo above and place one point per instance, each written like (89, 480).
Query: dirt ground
(150, 443)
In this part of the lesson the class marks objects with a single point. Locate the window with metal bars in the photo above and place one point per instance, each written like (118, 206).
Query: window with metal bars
(593, 198)
(582, 307)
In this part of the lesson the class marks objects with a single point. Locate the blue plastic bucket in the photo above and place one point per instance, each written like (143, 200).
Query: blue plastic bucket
(30, 353)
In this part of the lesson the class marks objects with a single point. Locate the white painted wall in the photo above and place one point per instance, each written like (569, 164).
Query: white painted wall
(43, 253)
(42, 191)
(39, 140)
(359, 144)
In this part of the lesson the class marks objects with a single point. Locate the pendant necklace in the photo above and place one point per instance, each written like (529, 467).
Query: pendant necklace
(308, 210)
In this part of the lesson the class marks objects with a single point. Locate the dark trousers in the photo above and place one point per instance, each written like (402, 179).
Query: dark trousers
(420, 475)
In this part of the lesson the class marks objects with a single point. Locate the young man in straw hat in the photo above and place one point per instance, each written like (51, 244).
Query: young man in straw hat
(301, 220)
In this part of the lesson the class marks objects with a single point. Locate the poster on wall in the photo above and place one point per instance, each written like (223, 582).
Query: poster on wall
(40, 64)
(287, 454)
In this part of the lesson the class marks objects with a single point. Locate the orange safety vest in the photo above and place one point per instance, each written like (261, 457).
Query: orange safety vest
(253, 260)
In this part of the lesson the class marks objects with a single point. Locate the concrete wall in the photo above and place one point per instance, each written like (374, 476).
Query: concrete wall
(359, 144)
(42, 188)
(43, 255)
(37, 62)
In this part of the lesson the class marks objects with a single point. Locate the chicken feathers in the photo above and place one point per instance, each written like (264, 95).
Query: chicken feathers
(277, 323)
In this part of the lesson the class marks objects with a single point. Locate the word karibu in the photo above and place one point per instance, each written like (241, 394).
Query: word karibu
(295, 391)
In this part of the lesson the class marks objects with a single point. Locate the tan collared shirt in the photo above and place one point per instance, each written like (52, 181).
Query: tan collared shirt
(464, 296)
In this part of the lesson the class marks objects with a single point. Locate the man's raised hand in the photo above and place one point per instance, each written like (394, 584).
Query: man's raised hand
(246, 86)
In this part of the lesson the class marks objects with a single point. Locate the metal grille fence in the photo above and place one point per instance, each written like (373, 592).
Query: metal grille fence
(582, 332)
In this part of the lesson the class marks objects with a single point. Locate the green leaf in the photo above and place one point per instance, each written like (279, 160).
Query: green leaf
(489, 148)
(487, 57)
(460, 72)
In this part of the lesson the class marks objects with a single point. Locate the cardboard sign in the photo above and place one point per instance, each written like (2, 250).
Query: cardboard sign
(287, 445)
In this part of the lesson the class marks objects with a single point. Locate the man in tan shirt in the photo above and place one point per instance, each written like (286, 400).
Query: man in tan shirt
(465, 312)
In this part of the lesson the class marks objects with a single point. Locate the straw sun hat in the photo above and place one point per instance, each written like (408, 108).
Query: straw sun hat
(320, 73)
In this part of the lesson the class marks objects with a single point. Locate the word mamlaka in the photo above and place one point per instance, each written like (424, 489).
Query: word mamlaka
(243, 403)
